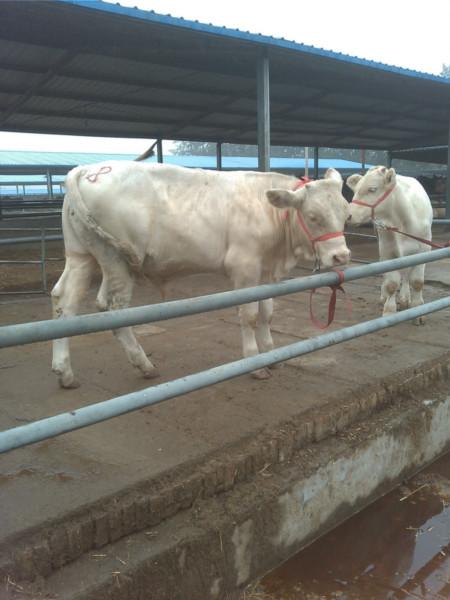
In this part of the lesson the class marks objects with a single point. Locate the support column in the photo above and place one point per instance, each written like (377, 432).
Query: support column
(49, 185)
(447, 197)
(363, 160)
(306, 161)
(159, 150)
(389, 159)
(219, 156)
(263, 112)
(316, 162)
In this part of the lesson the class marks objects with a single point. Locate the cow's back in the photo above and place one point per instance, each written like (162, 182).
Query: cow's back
(417, 205)
(178, 220)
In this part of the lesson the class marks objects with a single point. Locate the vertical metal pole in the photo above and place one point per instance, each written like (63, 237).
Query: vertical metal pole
(363, 160)
(159, 150)
(49, 185)
(219, 156)
(389, 159)
(316, 162)
(263, 112)
(43, 258)
(306, 161)
(447, 200)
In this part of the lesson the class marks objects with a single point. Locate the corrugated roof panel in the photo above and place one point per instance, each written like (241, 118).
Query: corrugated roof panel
(151, 16)
(97, 69)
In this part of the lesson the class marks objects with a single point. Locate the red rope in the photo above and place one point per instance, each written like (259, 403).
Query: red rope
(419, 239)
(332, 303)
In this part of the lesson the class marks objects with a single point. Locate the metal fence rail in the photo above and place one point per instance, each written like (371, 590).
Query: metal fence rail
(43, 239)
(102, 411)
(26, 333)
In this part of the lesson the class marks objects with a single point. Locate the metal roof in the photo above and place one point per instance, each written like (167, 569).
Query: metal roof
(16, 162)
(92, 68)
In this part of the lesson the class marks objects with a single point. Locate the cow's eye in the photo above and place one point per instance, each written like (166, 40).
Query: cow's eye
(372, 189)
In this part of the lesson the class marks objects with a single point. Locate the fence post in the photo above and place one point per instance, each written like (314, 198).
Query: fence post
(43, 266)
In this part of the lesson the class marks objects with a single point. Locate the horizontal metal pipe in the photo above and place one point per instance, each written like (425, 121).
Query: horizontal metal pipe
(26, 333)
(29, 239)
(102, 411)
(25, 292)
(20, 262)
(2, 229)
(29, 215)
(363, 235)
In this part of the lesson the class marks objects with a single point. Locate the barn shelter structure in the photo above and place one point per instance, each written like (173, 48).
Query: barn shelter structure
(207, 480)
(93, 68)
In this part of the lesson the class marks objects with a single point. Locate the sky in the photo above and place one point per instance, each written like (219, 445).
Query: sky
(413, 34)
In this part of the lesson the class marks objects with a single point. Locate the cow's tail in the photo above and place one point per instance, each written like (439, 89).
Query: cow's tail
(77, 204)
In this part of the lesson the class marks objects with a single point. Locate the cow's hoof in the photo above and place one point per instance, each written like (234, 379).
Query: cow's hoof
(276, 366)
(419, 321)
(403, 304)
(262, 374)
(69, 382)
(151, 373)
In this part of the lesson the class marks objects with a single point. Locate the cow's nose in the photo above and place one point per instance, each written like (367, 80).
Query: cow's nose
(342, 257)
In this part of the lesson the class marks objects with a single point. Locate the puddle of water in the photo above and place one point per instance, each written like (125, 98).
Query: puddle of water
(398, 548)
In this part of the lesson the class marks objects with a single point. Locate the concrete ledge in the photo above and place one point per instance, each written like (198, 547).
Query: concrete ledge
(227, 540)
(39, 552)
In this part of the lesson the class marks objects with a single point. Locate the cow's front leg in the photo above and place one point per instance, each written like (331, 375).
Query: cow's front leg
(263, 333)
(416, 280)
(248, 314)
(404, 297)
(67, 295)
(391, 284)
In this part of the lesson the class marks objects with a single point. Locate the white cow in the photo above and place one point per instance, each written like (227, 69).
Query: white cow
(401, 202)
(165, 221)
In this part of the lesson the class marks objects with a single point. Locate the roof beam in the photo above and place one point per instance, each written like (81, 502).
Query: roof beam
(196, 113)
(43, 79)
(311, 101)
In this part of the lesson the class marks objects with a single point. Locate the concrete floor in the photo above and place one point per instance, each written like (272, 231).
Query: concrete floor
(42, 484)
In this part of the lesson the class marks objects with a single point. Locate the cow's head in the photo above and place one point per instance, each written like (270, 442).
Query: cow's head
(371, 190)
(321, 211)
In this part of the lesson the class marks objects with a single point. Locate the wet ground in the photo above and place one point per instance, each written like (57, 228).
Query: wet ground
(398, 548)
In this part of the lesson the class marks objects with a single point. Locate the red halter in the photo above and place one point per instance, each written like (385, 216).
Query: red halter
(313, 240)
(320, 238)
(373, 206)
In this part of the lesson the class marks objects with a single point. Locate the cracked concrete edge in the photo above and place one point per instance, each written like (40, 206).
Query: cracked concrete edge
(42, 550)
(230, 540)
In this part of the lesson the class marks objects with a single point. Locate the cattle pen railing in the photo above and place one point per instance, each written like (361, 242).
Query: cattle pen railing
(26, 333)
(46, 234)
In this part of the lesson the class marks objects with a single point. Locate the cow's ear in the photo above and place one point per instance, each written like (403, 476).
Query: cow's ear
(286, 198)
(390, 176)
(333, 175)
(353, 181)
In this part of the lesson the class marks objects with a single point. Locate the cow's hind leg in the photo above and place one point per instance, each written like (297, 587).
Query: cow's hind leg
(67, 295)
(115, 292)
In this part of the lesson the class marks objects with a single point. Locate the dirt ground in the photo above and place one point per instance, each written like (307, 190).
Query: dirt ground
(73, 471)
